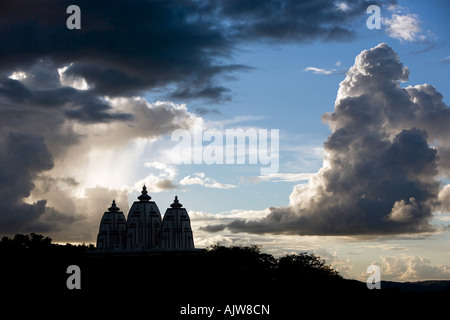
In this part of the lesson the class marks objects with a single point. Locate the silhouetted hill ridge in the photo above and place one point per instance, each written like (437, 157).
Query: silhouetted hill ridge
(34, 270)
(418, 286)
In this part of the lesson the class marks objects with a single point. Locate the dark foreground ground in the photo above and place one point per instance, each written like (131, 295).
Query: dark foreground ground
(174, 285)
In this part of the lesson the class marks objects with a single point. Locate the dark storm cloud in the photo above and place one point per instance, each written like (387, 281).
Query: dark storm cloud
(379, 173)
(125, 47)
(289, 20)
(83, 106)
(22, 157)
(41, 89)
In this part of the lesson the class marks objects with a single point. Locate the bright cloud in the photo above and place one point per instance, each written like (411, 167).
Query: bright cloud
(404, 27)
(320, 70)
(18, 75)
(201, 179)
(289, 177)
(163, 180)
(409, 268)
(342, 6)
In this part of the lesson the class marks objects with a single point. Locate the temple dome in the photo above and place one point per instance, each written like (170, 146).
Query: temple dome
(176, 230)
(112, 230)
(143, 223)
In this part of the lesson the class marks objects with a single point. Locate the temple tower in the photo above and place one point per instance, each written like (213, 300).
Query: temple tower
(143, 224)
(176, 228)
(112, 231)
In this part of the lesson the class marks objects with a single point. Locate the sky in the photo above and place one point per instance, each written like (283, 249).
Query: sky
(295, 125)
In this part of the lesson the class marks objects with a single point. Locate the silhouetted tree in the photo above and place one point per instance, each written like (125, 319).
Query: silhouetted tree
(243, 258)
(37, 243)
(305, 268)
(32, 241)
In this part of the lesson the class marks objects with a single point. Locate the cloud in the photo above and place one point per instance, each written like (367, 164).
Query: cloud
(341, 265)
(403, 211)
(404, 27)
(444, 198)
(342, 6)
(201, 179)
(410, 268)
(151, 119)
(40, 88)
(379, 173)
(446, 60)
(166, 178)
(100, 52)
(162, 181)
(289, 177)
(22, 157)
(203, 111)
(320, 71)
(222, 219)
(287, 20)
(180, 47)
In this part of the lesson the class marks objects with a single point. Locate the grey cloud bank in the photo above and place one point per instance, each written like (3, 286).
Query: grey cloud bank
(126, 47)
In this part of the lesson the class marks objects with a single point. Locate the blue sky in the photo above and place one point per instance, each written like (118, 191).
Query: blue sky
(100, 113)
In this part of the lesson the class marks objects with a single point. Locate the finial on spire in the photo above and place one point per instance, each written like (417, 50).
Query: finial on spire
(144, 194)
(113, 207)
(176, 203)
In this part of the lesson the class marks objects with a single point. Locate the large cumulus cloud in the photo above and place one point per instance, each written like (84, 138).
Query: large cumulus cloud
(380, 172)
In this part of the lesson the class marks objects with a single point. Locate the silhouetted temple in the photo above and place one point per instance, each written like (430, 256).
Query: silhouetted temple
(144, 229)
(113, 228)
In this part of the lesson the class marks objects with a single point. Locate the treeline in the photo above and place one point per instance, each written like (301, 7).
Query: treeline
(238, 262)
(35, 270)
(35, 259)
(32, 242)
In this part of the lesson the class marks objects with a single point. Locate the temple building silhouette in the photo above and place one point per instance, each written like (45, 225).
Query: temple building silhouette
(143, 229)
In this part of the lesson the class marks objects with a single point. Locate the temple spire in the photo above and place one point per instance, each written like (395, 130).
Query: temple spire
(113, 207)
(176, 203)
(144, 195)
